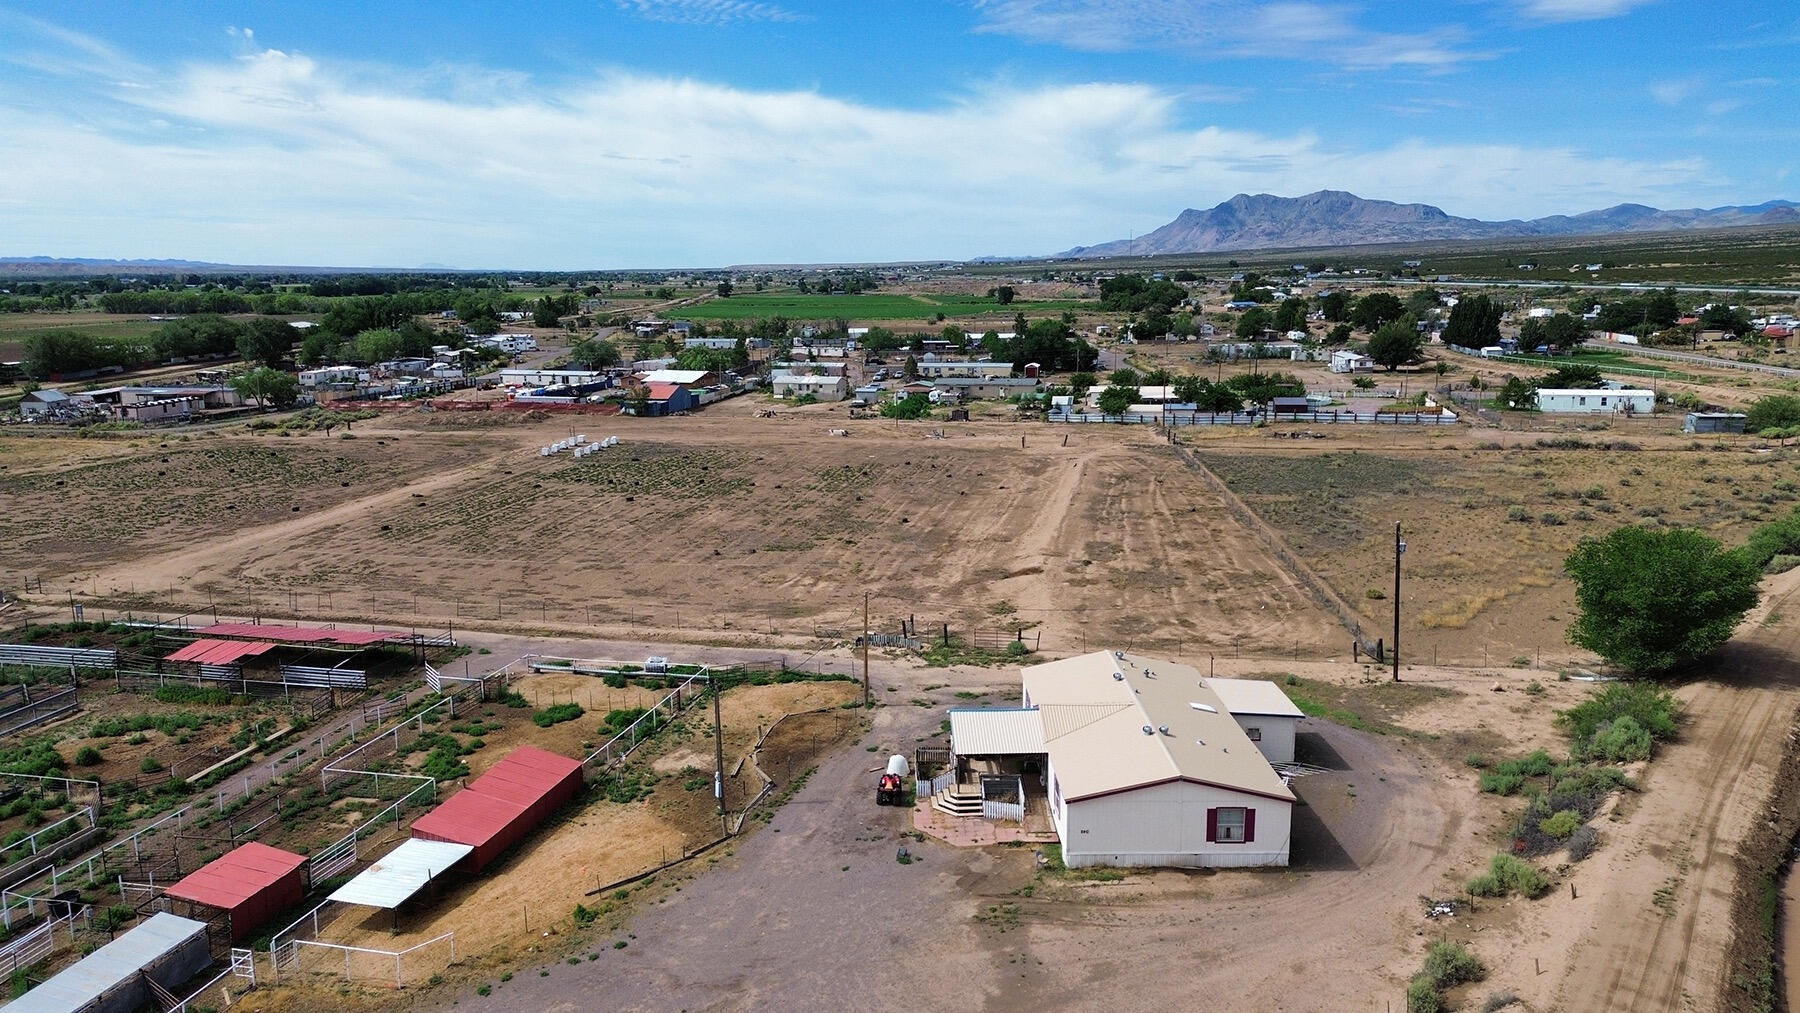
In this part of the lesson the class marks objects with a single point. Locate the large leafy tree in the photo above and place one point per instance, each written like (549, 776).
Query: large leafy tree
(1375, 309)
(1396, 344)
(594, 353)
(1474, 322)
(268, 387)
(1560, 330)
(1651, 601)
(268, 341)
(1115, 400)
(1775, 411)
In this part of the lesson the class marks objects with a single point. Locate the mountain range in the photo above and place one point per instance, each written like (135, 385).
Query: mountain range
(1336, 218)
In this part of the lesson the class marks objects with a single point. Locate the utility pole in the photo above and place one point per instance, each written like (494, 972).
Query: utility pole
(712, 680)
(865, 647)
(1399, 550)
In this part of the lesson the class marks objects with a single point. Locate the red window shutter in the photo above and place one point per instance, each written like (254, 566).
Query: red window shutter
(1249, 825)
(1212, 826)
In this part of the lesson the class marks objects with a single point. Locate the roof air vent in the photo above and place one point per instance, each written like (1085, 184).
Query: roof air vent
(1199, 742)
(1208, 708)
(1119, 654)
(1149, 730)
(1163, 729)
(1120, 676)
(1149, 674)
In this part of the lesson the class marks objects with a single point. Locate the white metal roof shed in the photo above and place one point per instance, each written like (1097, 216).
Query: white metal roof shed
(105, 969)
(401, 873)
(996, 732)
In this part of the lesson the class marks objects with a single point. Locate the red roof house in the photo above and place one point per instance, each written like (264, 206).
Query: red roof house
(252, 883)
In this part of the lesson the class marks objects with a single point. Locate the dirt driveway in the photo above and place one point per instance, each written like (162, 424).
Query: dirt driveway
(814, 911)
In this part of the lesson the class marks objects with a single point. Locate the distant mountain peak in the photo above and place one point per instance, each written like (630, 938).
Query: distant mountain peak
(1339, 218)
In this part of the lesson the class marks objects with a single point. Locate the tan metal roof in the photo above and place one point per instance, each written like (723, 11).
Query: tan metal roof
(1254, 696)
(996, 732)
(1098, 753)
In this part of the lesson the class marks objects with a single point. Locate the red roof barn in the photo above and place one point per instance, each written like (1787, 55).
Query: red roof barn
(252, 883)
(501, 806)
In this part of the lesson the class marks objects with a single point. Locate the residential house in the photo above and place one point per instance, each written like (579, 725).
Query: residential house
(825, 388)
(1345, 360)
(1596, 401)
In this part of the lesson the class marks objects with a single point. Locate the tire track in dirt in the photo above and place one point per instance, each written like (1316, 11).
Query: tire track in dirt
(1703, 795)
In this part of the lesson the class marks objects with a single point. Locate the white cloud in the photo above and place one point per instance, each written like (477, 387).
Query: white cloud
(1236, 27)
(706, 12)
(279, 158)
(1674, 91)
(1579, 10)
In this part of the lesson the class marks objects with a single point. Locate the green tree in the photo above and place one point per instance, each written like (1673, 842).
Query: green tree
(1474, 322)
(724, 289)
(201, 334)
(594, 353)
(1651, 601)
(1080, 382)
(1518, 393)
(1335, 305)
(1003, 294)
(911, 369)
(268, 387)
(1291, 314)
(1375, 309)
(1254, 321)
(912, 406)
(881, 339)
(1115, 400)
(1189, 389)
(1558, 331)
(1574, 375)
(1218, 397)
(1775, 411)
(268, 341)
(1396, 344)
(319, 348)
(381, 345)
(1125, 377)
(1423, 302)
(1340, 333)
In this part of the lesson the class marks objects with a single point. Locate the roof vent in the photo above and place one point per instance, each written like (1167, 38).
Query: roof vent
(1149, 730)
(1119, 654)
(1208, 708)
(1163, 729)
(1120, 676)
(1149, 674)
(1199, 742)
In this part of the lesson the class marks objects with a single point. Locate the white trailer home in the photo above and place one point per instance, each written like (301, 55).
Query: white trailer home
(1596, 401)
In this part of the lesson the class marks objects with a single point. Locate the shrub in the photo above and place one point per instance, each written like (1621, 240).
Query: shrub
(1499, 1001)
(151, 765)
(556, 714)
(1423, 997)
(1581, 843)
(1475, 760)
(88, 756)
(1551, 519)
(512, 698)
(1652, 709)
(583, 916)
(1496, 782)
(1448, 965)
(1509, 875)
(1622, 741)
(1561, 825)
(1017, 649)
(1518, 513)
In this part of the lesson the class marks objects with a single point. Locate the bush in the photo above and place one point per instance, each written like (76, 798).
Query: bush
(88, 756)
(1561, 825)
(1017, 649)
(1622, 741)
(1581, 843)
(512, 698)
(583, 916)
(556, 714)
(1508, 875)
(1448, 964)
(1423, 997)
(1651, 709)
(151, 765)
(1499, 1001)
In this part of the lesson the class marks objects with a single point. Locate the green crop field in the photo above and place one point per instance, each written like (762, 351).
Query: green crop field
(868, 306)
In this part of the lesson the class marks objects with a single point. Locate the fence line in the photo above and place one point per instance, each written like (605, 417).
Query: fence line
(1298, 569)
(606, 756)
(33, 656)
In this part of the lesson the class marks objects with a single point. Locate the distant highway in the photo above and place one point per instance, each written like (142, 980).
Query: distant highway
(1624, 286)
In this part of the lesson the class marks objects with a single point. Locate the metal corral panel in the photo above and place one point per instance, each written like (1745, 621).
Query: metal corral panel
(401, 873)
(996, 732)
(167, 948)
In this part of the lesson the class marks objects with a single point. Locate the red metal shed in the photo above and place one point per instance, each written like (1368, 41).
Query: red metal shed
(253, 883)
(501, 806)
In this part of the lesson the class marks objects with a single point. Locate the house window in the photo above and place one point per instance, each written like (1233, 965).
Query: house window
(1230, 825)
(1254, 733)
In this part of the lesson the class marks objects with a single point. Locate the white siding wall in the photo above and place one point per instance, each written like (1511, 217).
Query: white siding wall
(1277, 743)
(1165, 825)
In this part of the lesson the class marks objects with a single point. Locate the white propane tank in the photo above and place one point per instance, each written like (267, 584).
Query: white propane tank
(897, 765)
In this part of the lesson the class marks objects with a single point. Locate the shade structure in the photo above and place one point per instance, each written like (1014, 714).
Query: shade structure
(301, 634)
(501, 806)
(165, 948)
(221, 652)
(401, 873)
(253, 882)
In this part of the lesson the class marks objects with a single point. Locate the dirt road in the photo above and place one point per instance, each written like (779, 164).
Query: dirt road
(1653, 933)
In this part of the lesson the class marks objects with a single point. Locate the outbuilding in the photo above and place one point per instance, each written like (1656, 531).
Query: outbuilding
(164, 952)
(501, 806)
(250, 884)
(1714, 422)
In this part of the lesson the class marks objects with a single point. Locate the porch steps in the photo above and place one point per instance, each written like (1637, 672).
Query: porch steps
(956, 803)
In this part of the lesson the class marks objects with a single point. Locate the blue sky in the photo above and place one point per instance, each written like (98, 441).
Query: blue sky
(645, 133)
